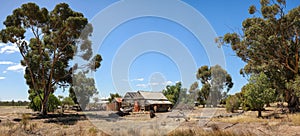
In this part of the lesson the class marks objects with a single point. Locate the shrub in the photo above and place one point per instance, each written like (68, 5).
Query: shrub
(25, 120)
(93, 131)
(232, 103)
(53, 102)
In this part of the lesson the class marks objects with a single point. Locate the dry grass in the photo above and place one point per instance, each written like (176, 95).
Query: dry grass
(247, 124)
(22, 124)
(201, 132)
(295, 118)
(242, 119)
(93, 131)
(84, 128)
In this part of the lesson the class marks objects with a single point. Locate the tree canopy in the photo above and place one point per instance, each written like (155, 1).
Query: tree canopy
(258, 92)
(194, 91)
(53, 38)
(172, 92)
(232, 103)
(113, 96)
(82, 89)
(216, 83)
(269, 43)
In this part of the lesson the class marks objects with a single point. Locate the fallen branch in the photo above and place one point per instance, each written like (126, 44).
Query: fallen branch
(231, 125)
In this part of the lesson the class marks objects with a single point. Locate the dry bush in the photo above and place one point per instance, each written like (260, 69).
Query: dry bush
(93, 131)
(25, 120)
(65, 126)
(214, 127)
(32, 127)
(180, 132)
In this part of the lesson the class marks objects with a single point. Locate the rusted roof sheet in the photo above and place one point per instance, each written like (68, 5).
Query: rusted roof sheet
(118, 99)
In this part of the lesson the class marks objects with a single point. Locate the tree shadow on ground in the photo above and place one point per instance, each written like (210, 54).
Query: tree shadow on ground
(61, 119)
(112, 117)
(72, 118)
(273, 115)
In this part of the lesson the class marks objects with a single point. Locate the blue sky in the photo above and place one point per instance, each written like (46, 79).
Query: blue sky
(145, 52)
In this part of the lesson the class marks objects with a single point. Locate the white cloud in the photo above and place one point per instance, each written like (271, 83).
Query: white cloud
(169, 83)
(6, 63)
(17, 68)
(4, 72)
(8, 48)
(138, 79)
(1, 78)
(142, 85)
(155, 84)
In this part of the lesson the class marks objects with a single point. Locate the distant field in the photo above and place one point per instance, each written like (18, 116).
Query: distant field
(14, 109)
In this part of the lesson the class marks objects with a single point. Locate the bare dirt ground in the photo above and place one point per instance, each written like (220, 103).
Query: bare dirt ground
(20, 121)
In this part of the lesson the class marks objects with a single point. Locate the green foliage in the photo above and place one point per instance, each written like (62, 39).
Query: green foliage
(194, 88)
(53, 102)
(67, 101)
(257, 92)
(242, 99)
(269, 43)
(113, 96)
(203, 94)
(173, 92)
(56, 36)
(294, 85)
(232, 103)
(216, 83)
(32, 96)
(186, 100)
(82, 89)
(194, 92)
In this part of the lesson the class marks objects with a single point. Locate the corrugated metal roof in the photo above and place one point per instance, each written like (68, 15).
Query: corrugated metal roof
(152, 95)
(149, 102)
(133, 95)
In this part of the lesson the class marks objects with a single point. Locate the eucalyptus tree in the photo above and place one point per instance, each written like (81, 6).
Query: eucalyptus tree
(216, 83)
(258, 92)
(47, 41)
(269, 43)
(172, 92)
